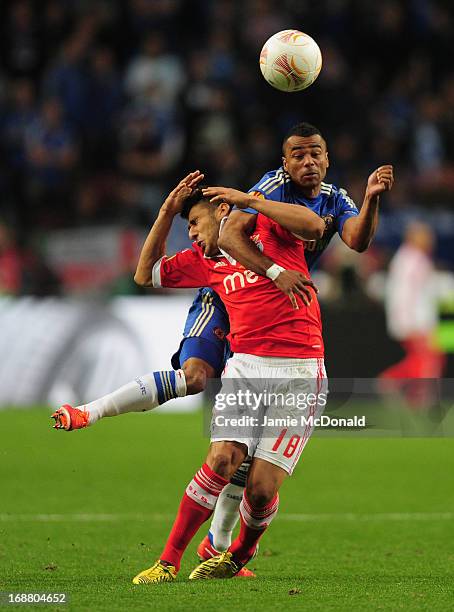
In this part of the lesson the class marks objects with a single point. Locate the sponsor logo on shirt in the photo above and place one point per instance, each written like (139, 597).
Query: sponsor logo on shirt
(238, 280)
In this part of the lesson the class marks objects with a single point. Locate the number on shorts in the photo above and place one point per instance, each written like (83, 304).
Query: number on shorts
(279, 440)
(292, 446)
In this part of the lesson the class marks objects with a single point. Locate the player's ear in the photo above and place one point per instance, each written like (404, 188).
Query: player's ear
(327, 159)
(284, 163)
(222, 210)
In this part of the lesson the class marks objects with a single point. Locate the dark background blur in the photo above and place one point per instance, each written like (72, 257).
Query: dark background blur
(104, 105)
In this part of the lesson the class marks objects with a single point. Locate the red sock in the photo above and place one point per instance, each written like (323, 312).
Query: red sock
(254, 522)
(195, 508)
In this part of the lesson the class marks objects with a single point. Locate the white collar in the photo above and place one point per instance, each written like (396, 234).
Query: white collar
(221, 252)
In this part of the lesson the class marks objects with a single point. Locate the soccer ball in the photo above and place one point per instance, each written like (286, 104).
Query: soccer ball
(290, 60)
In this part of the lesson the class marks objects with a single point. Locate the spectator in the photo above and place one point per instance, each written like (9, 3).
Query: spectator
(147, 156)
(51, 155)
(155, 76)
(11, 263)
(412, 316)
(105, 95)
(67, 80)
(20, 115)
(21, 44)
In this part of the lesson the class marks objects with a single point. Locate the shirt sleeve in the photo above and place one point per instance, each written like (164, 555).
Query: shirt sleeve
(345, 209)
(267, 224)
(185, 269)
(270, 187)
(252, 211)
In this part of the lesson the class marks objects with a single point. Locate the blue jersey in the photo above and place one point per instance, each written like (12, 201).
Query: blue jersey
(205, 332)
(331, 202)
(207, 312)
(207, 322)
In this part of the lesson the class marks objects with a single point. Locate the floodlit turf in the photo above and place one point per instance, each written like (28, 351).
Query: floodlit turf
(387, 544)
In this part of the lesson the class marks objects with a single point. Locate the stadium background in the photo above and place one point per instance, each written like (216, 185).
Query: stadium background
(104, 105)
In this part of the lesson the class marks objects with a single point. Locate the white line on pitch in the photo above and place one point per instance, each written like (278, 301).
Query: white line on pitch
(379, 516)
(312, 518)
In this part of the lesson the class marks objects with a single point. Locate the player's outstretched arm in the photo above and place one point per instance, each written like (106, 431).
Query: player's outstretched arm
(155, 244)
(294, 218)
(359, 231)
(235, 240)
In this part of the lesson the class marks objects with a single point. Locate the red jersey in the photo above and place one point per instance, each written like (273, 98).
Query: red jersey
(262, 319)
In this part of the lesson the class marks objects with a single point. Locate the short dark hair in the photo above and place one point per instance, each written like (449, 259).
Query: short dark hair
(195, 197)
(301, 129)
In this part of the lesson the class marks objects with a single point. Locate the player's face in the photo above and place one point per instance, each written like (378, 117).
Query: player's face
(203, 227)
(306, 161)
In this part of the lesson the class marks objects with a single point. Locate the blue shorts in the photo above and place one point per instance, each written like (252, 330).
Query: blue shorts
(205, 332)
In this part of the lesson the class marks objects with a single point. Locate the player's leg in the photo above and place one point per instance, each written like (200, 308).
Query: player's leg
(202, 359)
(195, 508)
(197, 371)
(225, 455)
(258, 507)
(144, 393)
(225, 516)
(201, 355)
(275, 457)
(154, 389)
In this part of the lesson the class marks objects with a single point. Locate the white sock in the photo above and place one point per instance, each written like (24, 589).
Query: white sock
(225, 516)
(142, 394)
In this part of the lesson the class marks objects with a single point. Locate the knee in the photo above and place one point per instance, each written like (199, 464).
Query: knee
(260, 496)
(221, 463)
(224, 459)
(196, 379)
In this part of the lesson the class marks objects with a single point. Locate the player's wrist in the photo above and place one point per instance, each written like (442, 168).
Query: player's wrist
(371, 197)
(256, 203)
(273, 271)
(168, 210)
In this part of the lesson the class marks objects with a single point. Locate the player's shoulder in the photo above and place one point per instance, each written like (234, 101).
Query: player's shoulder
(338, 195)
(271, 181)
(193, 252)
(327, 189)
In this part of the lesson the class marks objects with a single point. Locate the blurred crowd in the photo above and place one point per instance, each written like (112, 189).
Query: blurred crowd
(104, 104)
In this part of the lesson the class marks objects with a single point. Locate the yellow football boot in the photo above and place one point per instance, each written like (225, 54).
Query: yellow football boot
(156, 574)
(221, 566)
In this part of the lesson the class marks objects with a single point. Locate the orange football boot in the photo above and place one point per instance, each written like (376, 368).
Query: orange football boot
(69, 418)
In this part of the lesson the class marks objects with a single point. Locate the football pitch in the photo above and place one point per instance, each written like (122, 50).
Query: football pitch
(363, 524)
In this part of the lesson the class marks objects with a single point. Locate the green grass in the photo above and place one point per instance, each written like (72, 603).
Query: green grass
(138, 465)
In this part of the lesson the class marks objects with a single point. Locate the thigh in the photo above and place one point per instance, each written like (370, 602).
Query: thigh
(212, 353)
(205, 333)
(232, 417)
(291, 420)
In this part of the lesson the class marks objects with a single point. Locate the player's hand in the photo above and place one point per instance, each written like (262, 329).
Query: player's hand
(382, 179)
(293, 283)
(234, 197)
(175, 200)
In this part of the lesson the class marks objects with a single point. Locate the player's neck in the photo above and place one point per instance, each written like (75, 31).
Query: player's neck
(310, 192)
